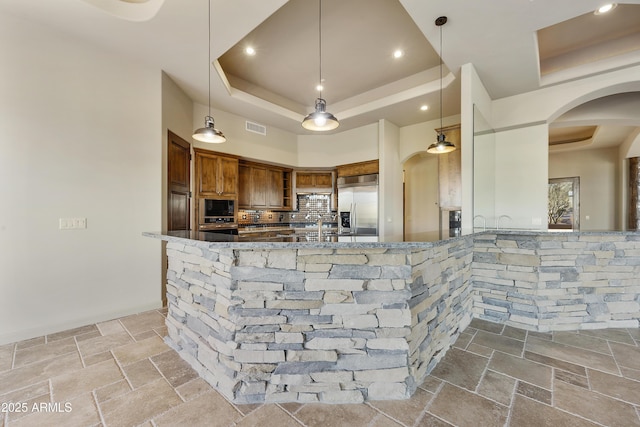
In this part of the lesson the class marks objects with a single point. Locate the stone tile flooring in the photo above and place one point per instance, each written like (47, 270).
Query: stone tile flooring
(120, 373)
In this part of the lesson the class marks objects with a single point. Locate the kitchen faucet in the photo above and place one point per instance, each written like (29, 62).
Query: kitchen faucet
(484, 221)
(499, 218)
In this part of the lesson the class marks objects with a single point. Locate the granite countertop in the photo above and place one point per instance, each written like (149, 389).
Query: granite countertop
(296, 240)
(333, 240)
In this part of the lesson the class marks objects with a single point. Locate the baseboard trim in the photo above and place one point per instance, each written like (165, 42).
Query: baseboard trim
(48, 329)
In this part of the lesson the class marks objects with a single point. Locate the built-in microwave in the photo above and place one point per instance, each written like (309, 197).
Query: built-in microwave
(216, 213)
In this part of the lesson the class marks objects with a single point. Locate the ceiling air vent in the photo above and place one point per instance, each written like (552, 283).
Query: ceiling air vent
(256, 128)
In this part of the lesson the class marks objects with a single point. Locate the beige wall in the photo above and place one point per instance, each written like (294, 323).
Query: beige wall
(351, 146)
(521, 134)
(277, 146)
(521, 167)
(80, 137)
(598, 171)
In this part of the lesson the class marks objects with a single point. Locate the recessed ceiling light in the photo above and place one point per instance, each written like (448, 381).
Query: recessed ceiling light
(424, 108)
(250, 51)
(605, 8)
(319, 88)
(398, 53)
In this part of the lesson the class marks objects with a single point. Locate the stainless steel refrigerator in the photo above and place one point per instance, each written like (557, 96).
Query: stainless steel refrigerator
(358, 205)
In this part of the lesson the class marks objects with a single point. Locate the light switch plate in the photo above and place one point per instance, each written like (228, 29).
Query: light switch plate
(72, 223)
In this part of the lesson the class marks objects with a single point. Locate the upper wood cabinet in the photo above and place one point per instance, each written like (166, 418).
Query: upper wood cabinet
(259, 187)
(263, 186)
(360, 168)
(314, 180)
(216, 175)
(275, 195)
(244, 186)
(450, 171)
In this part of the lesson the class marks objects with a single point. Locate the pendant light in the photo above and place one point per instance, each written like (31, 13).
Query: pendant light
(209, 133)
(441, 146)
(320, 119)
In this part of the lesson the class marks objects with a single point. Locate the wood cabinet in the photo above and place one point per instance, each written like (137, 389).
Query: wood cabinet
(275, 197)
(244, 186)
(450, 171)
(216, 175)
(263, 187)
(258, 187)
(314, 180)
(287, 190)
(360, 168)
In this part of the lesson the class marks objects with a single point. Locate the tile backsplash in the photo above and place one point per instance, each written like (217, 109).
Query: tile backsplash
(311, 208)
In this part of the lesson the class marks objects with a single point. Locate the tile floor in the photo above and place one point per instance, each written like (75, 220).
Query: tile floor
(120, 373)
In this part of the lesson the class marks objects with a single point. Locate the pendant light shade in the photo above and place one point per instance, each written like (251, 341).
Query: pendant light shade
(209, 133)
(320, 120)
(441, 146)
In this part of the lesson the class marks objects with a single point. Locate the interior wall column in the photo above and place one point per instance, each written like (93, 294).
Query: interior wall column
(634, 184)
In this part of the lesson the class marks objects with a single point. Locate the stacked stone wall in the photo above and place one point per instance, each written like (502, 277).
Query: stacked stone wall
(305, 325)
(551, 282)
(346, 325)
(441, 301)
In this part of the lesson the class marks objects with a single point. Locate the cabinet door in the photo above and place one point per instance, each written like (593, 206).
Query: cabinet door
(244, 186)
(208, 174)
(258, 187)
(304, 180)
(323, 180)
(179, 173)
(228, 177)
(275, 195)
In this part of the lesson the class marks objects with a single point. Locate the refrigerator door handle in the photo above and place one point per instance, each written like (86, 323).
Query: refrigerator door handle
(355, 218)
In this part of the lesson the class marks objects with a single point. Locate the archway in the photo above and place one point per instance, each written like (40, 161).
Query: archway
(600, 159)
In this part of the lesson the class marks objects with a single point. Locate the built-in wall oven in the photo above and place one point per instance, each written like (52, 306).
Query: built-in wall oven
(217, 215)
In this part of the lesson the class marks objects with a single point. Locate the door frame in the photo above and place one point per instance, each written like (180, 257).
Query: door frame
(575, 182)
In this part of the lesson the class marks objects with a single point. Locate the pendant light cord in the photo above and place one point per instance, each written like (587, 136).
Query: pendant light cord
(320, 43)
(209, 63)
(440, 79)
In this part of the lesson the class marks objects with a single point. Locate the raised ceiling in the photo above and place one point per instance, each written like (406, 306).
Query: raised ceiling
(285, 70)
(589, 38)
(513, 45)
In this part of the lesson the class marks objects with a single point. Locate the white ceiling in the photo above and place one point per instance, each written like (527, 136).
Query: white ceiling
(363, 83)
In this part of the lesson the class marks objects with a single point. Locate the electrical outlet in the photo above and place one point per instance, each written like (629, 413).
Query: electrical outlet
(72, 223)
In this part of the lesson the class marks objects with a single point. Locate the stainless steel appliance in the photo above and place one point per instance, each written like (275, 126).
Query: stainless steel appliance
(217, 215)
(358, 205)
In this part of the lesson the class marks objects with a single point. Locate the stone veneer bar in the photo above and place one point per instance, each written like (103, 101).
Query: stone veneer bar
(557, 281)
(349, 322)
